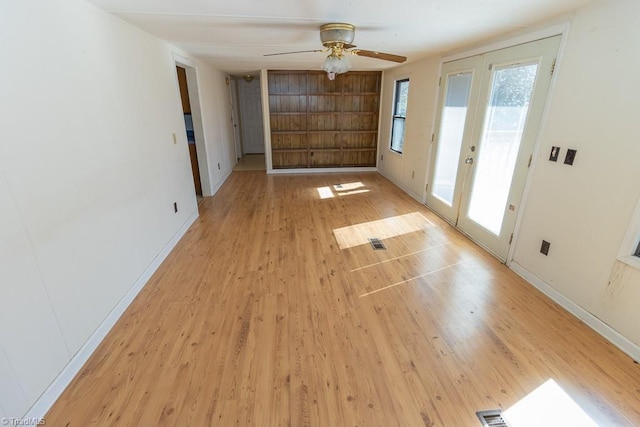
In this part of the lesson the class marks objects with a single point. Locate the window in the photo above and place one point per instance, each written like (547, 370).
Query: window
(399, 115)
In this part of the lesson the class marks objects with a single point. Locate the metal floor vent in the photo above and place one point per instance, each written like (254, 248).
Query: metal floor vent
(492, 418)
(377, 244)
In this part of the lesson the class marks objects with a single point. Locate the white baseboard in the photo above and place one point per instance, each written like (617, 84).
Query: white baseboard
(215, 189)
(320, 170)
(397, 183)
(53, 392)
(589, 319)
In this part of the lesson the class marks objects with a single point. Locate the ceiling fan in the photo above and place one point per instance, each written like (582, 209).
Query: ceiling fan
(337, 39)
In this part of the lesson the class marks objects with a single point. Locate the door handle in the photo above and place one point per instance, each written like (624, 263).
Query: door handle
(469, 160)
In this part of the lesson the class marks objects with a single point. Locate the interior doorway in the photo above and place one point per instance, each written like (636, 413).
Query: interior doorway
(188, 124)
(190, 101)
(490, 110)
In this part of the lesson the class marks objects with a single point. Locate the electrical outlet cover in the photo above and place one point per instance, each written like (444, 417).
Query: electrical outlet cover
(544, 248)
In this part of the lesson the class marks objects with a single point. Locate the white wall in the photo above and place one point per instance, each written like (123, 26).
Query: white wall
(211, 111)
(88, 177)
(409, 169)
(583, 210)
(216, 121)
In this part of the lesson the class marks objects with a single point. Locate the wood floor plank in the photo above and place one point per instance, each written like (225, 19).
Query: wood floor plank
(273, 310)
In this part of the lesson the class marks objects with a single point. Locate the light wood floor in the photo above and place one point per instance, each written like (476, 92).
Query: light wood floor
(262, 317)
(251, 162)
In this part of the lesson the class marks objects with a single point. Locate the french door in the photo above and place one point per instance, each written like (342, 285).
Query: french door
(490, 110)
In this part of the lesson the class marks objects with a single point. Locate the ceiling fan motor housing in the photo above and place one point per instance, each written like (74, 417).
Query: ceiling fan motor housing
(331, 34)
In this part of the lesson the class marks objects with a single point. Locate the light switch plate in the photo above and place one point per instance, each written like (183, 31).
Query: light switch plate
(570, 157)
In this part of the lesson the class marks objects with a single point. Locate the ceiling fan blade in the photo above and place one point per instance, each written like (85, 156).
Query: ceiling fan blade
(289, 53)
(379, 55)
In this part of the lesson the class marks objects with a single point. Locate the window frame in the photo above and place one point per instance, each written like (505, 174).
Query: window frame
(629, 252)
(395, 115)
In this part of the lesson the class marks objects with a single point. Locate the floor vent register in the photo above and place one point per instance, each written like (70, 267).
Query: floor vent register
(492, 418)
(377, 244)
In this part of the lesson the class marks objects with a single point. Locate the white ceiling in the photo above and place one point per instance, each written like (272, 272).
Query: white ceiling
(234, 35)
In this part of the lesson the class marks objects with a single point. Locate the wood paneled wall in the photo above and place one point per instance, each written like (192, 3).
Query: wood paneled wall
(317, 122)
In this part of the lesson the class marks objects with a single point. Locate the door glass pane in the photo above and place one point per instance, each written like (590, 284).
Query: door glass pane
(505, 118)
(454, 115)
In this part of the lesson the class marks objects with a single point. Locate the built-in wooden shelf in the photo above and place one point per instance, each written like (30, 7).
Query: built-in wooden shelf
(317, 122)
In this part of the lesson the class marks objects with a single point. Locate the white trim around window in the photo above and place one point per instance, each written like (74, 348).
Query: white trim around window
(631, 240)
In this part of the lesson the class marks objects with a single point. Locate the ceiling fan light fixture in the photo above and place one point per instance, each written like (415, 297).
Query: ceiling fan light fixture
(335, 64)
(337, 39)
(337, 33)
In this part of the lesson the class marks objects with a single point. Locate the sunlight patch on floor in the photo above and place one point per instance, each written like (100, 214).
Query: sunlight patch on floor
(342, 190)
(550, 406)
(325, 192)
(348, 186)
(359, 234)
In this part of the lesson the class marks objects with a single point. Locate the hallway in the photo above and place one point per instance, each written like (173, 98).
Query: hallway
(251, 162)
